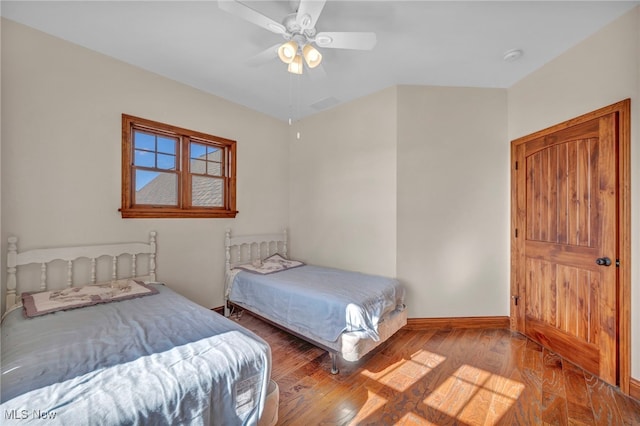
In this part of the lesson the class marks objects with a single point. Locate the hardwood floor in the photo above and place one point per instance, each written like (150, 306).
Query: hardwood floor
(440, 377)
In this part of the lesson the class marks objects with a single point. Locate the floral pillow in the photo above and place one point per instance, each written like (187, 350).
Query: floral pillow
(270, 265)
(46, 302)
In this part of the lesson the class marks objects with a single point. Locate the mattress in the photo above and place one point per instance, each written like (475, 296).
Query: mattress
(324, 301)
(160, 359)
(346, 312)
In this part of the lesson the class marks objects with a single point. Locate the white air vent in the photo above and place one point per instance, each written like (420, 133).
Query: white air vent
(325, 103)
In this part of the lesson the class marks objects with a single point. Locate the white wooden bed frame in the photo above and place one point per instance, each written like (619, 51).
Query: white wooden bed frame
(45, 256)
(245, 248)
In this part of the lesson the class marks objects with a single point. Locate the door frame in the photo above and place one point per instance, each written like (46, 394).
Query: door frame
(518, 222)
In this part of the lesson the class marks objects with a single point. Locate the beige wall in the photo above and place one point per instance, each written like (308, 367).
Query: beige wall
(453, 201)
(61, 150)
(343, 186)
(600, 71)
(409, 182)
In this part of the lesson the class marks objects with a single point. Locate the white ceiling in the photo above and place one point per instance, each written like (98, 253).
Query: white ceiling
(447, 43)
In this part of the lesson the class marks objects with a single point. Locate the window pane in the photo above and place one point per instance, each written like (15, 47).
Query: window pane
(144, 140)
(144, 159)
(214, 154)
(198, 166)
(167, 145)
(214, 169)
(156, 188)
(143, 178)
(207, 192)
(167, 162)
(198, 150)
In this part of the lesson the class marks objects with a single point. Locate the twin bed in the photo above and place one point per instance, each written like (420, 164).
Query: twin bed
(154, 357)
(345, 313)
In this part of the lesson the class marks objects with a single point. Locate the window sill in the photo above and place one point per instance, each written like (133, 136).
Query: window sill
(163, 213)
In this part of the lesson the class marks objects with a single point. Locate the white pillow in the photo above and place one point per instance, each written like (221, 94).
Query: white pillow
(272, 264)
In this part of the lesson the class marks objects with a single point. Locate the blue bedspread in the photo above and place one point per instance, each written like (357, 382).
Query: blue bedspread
(322, 301)
(157, 360)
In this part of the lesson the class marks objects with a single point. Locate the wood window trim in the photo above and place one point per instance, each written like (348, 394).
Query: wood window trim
(128, 208)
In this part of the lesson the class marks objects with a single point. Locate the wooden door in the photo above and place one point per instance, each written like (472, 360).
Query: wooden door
(565, 247)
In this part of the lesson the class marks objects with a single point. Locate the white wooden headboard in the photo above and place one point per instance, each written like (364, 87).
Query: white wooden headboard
(45, 256)
(245, 248)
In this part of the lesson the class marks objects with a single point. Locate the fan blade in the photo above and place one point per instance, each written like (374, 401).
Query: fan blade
(346, 40)
(308, 13)
(263, 57)
(248, 14)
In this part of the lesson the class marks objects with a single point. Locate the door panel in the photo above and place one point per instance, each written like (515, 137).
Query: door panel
(560, 185)
(566, 205)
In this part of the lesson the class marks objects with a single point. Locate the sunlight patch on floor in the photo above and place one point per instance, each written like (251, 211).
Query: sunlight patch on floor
(403, 374)
(413, 419)
(470, 390)
(373, 403)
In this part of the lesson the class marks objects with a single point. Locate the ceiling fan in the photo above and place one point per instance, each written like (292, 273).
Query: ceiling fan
(299, 31)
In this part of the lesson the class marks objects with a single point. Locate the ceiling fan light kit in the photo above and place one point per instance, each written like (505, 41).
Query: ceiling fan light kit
(295, 67)
(299, 30)
(287, 51)
(311, 56)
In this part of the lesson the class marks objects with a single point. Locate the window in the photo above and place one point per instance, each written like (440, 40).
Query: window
(172, 172)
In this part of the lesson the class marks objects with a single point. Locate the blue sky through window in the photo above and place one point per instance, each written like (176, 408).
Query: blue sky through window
(153, 151)
(158, 152)
(143, 177)
(199, 150)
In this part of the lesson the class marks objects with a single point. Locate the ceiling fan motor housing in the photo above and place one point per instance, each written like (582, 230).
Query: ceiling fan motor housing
(296, 31)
